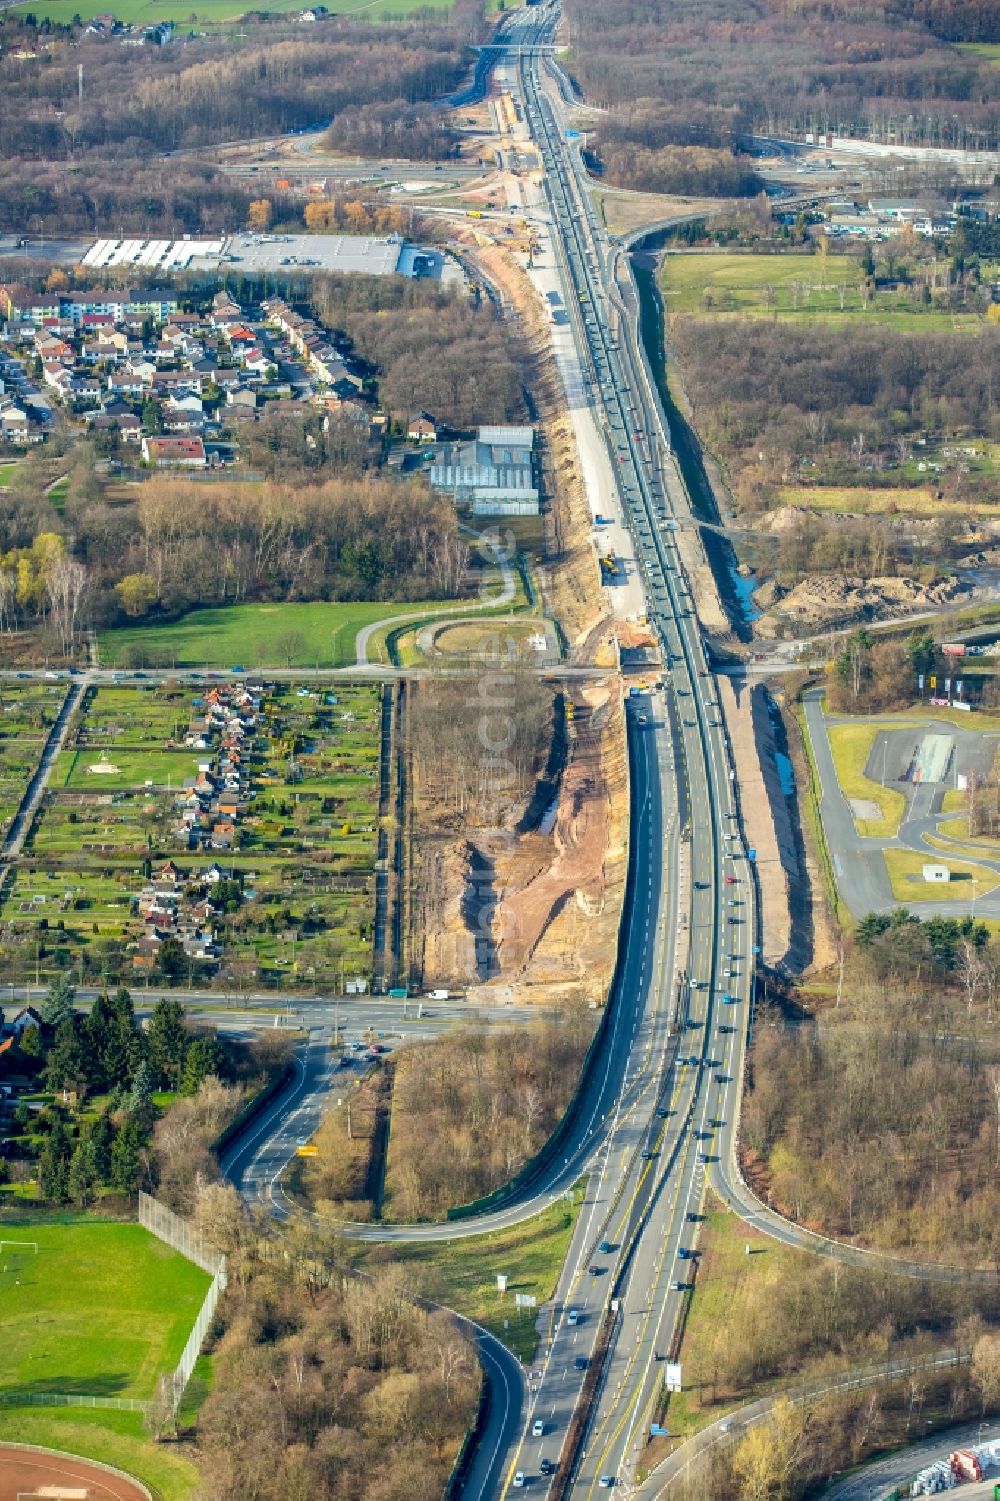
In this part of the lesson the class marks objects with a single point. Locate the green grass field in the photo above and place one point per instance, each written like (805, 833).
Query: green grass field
(989, 51)
(209, 12)
(252, 635)
(791, 286)
(114, 1438)
(463, 1273)
(905, 869)
(7, 473)
(102, 1309)
(851, 746)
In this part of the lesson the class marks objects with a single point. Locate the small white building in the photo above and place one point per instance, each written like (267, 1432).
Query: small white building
(937, 874)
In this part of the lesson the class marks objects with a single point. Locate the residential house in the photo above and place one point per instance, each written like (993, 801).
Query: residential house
(186, 453)
(421, 428)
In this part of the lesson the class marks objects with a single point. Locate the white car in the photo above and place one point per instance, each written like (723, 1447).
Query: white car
(573, 1316)
(537, 1428)
(606, 1482)
(519, 1479)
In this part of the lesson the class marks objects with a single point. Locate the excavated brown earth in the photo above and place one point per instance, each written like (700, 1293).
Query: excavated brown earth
(535, 915)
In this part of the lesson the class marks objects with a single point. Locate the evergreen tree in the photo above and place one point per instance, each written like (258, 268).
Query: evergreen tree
(81, 1179)
(124, 1049)
(57, 1006)
(97, 1031)
(139, 1101)
(204, 1057)
(101, 1136)
(53, 1164)
(167, 1043)
(30, 1044)
(67, 1059)
(126, 1166)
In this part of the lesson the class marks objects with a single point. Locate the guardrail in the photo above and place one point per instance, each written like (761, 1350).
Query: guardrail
(251, 1110)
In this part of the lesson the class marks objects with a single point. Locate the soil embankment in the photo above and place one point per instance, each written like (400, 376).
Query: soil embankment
(528, 906)
(791, 938)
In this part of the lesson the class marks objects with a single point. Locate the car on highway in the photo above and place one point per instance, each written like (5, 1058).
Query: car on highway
(573, 1317)
(607, 1482)
(519, 1479)
(581, 1362)
(679, 1286)
(606, 1247)
(594, 1270)
(537, 1428)
(546, 1467)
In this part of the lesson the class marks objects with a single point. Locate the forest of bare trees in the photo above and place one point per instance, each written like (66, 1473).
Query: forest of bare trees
(879, 1117)
(183, 544)
(673, 73)
(430, 349)
(326, 1387)
(369, 80)
(785, 405)
(471, 1108)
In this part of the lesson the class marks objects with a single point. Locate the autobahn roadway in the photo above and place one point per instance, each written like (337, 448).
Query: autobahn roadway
(659, 1117)
(657, 1260)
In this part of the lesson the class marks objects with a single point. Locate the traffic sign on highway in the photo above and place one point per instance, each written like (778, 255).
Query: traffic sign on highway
(573, 135)
(307, 1151)
(672, 1376)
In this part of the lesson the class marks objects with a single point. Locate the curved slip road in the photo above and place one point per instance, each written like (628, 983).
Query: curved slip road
(505, 597)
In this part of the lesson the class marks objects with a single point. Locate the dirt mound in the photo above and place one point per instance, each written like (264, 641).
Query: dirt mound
(833, 600)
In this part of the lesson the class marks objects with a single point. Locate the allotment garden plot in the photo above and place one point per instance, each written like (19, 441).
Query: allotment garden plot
(27, 713)
(221, 832)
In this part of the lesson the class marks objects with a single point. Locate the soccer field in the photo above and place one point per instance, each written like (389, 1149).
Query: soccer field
(102, 1308)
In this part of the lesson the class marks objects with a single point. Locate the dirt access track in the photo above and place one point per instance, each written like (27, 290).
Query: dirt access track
(46, 1473)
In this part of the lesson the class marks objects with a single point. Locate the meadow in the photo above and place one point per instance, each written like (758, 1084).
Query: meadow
(792, 286)
(213, 12)
(273, 635)
(102, 1309)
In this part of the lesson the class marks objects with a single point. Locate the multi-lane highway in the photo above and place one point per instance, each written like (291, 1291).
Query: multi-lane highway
(715, 907)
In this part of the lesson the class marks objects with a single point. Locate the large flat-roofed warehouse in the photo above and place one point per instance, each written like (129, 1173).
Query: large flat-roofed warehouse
(493, 473)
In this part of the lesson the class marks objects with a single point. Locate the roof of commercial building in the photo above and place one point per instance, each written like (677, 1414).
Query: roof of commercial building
(508, 437)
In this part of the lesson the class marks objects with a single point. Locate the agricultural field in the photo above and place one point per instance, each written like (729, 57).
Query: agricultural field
(101, 1308)
(209, 12)
(27, 712)
(792, 286)
(225, 835)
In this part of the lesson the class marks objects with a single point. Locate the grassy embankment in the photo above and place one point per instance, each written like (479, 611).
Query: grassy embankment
(905, 869)
(463, 1273)
(318, 634)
